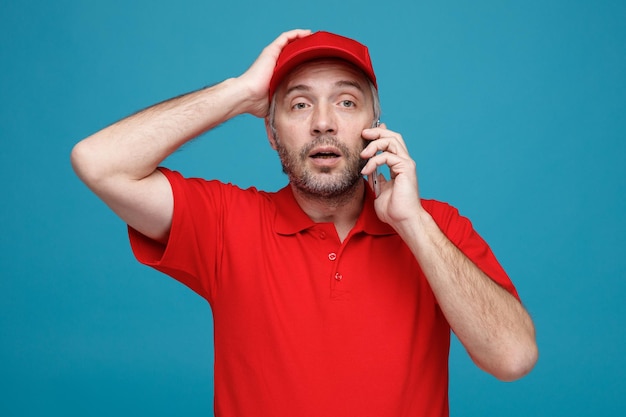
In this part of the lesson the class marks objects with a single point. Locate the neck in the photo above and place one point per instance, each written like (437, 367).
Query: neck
(342, 210)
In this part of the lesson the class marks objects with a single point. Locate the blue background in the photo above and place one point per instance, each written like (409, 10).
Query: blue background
(515, 112)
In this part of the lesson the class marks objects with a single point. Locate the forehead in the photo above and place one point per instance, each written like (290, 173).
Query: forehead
(331, 70)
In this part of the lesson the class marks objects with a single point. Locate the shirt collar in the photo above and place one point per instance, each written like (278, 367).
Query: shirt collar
(291, 219)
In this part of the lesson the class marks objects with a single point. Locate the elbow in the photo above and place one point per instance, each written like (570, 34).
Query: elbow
(78, 159)
(509, 359)
(85, 162)
(517, 363)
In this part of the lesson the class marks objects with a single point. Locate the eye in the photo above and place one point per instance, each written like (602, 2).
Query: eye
(299, 106)
(347, 103)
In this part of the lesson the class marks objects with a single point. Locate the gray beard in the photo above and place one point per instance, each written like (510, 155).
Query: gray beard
(323, 184)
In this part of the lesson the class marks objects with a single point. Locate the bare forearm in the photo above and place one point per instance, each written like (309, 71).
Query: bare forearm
(492, 324)
(133, 147)
(119, 162)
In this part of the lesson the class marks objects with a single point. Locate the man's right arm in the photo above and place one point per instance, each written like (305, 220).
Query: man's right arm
(119, 163)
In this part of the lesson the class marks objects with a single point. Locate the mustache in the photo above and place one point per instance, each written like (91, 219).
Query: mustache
(324, 140)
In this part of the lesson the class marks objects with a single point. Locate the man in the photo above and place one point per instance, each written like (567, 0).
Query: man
(329, 298)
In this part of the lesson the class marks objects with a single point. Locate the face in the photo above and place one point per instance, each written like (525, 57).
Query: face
(321, 109)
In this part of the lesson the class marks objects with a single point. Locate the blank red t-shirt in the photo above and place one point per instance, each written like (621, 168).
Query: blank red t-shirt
(306, 325)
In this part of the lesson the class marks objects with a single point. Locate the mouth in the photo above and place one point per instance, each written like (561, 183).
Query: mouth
(325, 158)
(325, 153)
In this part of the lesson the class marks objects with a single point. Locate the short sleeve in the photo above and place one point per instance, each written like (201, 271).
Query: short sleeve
(461, 233)
(194, 241)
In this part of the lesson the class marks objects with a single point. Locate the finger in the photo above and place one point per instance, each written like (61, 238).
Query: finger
(381, 132)
(391, 144)
(273, 50)
(297, 33)
(292, 35)
(370, 167)
(375, 162)
(396, 164)
(372, 133)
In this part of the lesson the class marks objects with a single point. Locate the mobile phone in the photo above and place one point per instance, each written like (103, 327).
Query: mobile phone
(375, 173)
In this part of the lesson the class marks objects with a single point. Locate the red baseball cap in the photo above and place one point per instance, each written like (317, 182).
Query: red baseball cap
(321, 45)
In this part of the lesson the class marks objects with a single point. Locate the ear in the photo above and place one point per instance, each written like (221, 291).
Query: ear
(270, 135)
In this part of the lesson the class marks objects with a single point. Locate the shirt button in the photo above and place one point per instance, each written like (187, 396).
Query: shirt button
(332, 256)
(338, 276)
(322, 235)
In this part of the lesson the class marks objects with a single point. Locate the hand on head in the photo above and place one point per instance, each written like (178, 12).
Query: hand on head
(258, 76)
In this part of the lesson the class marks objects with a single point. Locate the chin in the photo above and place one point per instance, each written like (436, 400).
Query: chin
(327, 185)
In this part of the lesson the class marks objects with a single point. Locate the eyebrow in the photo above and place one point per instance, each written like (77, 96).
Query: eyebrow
(341, 83)
(349, 83)
(299, 87)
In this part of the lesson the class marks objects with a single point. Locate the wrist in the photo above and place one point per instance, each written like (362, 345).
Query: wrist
(255, 100)
(418, 229)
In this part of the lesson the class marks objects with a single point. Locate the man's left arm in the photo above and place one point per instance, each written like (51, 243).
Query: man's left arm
(492, 324)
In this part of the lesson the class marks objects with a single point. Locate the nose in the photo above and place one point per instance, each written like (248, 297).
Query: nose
(323, 122)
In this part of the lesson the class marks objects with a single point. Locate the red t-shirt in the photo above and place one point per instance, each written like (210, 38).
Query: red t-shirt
(304, 324)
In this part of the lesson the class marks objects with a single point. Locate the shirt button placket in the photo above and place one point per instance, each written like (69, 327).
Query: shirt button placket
(337, 276)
